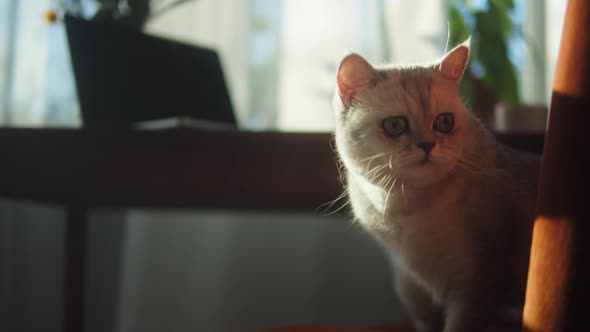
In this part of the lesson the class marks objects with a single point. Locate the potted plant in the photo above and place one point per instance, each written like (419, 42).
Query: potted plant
(131, 13)
(490, 84)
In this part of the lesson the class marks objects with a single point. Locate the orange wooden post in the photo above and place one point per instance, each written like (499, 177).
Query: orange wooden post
(558, 297)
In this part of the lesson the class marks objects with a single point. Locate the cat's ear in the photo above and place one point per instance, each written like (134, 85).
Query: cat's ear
(455, 61)
(354, 74)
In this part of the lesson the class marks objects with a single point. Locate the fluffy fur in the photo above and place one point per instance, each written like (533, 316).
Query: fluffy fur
(455, 220)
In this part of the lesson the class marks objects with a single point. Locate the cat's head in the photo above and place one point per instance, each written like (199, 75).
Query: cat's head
(408, 120)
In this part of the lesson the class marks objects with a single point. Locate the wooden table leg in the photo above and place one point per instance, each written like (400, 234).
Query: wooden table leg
(75, 269)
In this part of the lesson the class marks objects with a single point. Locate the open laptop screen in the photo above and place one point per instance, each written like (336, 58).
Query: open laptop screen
(124, 76)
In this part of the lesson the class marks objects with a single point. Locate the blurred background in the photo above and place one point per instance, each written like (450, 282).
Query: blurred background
(155, 270)
(280, 57)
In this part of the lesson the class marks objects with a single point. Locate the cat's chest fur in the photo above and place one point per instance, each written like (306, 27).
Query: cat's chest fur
(432, 234)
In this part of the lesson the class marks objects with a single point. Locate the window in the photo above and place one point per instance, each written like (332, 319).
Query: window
(282, 56)
(279, 56)
(36, 85)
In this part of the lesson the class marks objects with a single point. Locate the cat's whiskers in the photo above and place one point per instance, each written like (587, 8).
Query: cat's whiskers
(382, 177)
(383, 210)
(370, 160)
(404, 193)
(472, 157)
(351, 222)
(372, 157)
(468, 163)
(378, 176)
(375, 173)
(338, 209)
(384, 183)
(468, 166)
(339, 167)
(472, 161)
(330, 204)
(387, 199)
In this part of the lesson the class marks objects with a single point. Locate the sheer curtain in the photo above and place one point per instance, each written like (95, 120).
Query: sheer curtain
(280, 56)
(316, 35)
(36, 82)
(36, 89)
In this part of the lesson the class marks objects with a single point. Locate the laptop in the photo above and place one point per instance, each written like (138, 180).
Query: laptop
(125, 77)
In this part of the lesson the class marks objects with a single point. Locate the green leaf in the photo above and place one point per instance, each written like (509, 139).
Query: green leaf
(501, 14)
(466, 89)
(500, 75)
(489, 47)
(259, 23)
(506, 4)
(493, 21)
(459, 31)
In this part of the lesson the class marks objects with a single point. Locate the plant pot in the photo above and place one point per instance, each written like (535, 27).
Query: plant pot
(519, 118)
(484, 100)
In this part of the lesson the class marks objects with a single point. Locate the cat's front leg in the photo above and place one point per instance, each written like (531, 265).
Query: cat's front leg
(427, 317)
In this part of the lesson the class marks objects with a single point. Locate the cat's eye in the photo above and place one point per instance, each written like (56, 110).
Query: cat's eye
(444, 122)
(395, 126)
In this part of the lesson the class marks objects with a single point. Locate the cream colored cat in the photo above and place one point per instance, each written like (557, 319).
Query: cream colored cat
(453, 207)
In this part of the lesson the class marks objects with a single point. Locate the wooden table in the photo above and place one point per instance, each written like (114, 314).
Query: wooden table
(172, 168)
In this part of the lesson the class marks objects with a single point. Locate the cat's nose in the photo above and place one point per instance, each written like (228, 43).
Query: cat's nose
(426, 146)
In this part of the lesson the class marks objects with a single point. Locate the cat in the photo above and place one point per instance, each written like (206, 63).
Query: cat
(453, 207)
